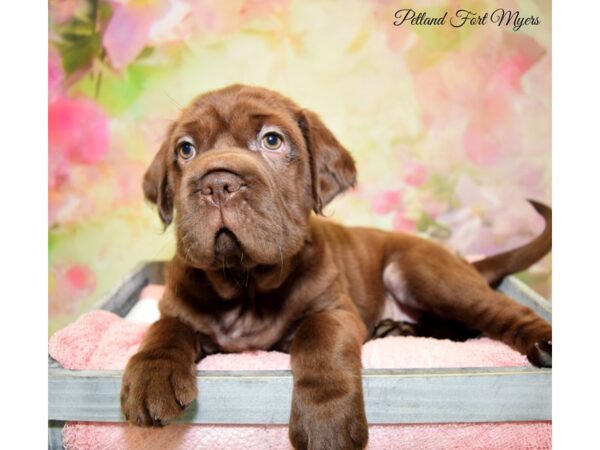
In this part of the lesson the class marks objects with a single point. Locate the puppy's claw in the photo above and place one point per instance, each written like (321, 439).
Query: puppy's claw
(540, 354)
(157, 422)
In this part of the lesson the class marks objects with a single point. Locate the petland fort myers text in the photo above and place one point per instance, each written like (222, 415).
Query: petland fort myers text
(462, 17)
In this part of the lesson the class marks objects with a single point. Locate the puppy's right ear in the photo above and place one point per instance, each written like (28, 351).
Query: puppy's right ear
(157, 185)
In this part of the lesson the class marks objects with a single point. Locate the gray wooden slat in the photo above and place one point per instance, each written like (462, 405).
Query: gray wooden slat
(391, 396)
(124, 297)
(53, 364)
(516, 289)
(127, 294)
(155, 272)
(55, 435)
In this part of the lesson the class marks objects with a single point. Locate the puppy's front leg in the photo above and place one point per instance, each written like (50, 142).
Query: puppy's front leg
(327, 405)
(160, 380)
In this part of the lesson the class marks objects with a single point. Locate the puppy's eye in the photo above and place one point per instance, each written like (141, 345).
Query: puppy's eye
(272, 141)
(186, 150)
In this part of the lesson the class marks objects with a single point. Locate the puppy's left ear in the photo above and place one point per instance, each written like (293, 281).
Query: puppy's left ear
(332, 167)
(157, 186)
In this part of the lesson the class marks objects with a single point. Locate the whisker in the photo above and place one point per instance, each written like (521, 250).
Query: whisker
(173, 100)
(280, 257)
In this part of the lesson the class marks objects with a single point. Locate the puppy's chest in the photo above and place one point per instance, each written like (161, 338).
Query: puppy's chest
(238, 330)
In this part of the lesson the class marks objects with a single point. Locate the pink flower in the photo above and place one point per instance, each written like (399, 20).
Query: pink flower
(61, 11)
(68, 285)
(134, 25)
(523, 53)
(416, 174)
(385, 201)
(80, 277)
(58, 173)
(494, 130)
(128, 31)
(174, 25)
(77, 133)
(56, 74)
(402, 223)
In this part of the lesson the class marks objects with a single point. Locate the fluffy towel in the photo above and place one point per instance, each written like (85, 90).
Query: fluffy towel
(102, 340)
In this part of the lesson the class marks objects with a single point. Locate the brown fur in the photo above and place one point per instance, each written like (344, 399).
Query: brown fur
(255, 269)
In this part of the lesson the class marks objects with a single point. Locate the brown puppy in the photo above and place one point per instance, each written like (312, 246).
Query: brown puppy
(243, 168)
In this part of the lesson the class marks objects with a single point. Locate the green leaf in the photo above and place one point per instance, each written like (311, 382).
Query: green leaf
(118, 91)
(79, 51)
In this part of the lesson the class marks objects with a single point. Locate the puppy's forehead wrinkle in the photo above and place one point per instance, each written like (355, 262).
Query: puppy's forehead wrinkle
(215, 113)
(259, 111)
(205, 115)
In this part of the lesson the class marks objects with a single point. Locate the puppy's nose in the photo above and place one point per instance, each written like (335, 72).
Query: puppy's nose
(220, 186)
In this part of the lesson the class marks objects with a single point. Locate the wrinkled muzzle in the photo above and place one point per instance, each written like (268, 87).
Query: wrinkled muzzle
(231, 213)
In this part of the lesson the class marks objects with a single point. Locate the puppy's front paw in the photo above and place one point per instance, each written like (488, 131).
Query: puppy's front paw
(540, 355)
(337, 425)
(156, 388)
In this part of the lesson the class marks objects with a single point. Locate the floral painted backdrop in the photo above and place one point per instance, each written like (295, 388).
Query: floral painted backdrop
(450, 126)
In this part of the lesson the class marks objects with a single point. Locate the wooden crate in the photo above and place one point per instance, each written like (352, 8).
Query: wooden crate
(502, 394)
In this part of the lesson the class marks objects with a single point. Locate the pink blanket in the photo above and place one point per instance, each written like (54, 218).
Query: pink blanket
(102, 340)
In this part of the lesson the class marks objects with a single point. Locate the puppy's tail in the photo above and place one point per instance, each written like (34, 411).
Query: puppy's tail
(496, 267)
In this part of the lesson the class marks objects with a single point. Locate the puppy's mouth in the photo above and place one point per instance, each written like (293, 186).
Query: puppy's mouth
(227, 248)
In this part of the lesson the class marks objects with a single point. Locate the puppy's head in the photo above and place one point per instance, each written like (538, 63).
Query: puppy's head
(240, 170)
